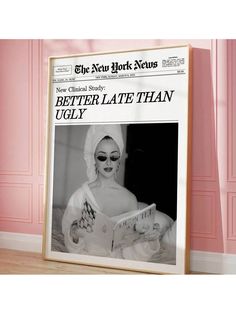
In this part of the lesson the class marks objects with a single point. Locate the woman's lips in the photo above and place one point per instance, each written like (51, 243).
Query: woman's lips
(108, 169)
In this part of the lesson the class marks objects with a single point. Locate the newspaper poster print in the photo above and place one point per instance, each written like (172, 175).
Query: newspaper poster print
(118, 159)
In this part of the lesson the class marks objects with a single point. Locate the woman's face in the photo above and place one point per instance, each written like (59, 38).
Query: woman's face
(107, 156)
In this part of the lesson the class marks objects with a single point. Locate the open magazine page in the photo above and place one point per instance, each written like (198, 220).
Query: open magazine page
(97, 227)
(115, 232)
(133, 226)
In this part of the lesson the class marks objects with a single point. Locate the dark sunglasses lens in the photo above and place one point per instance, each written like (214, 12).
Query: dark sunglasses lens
(114, 158)
(102, 158)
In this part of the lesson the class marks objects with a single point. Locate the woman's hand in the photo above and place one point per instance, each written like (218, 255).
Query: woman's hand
(141, 227)
(74, 232)
(153, 233)
(148, 233)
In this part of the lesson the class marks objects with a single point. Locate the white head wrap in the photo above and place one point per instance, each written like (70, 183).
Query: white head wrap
(94, 135)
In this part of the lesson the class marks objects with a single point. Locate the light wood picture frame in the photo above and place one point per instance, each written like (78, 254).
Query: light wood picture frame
(117, 190)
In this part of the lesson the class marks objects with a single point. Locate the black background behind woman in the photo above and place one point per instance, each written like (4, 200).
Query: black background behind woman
(151, 166)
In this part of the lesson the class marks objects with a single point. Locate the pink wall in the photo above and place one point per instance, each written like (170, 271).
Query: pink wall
(23, 99)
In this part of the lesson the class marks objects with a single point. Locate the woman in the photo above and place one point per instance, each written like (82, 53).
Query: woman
(102, 153)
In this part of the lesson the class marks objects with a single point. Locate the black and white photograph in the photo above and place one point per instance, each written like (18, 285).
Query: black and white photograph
(115, 191)
(118, 160)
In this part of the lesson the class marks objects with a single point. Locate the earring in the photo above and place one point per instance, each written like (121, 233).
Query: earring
(118, 167)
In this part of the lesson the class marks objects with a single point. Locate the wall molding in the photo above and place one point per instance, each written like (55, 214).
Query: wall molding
(211, 233)
(41, 206)
(42, 109)
(230, 112)
(211, 176)
(21, 241)
(29, 170)
(206, 262)
(211, 262)
(28, 189)
(231, 232)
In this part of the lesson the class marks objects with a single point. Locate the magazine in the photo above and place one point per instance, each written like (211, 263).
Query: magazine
(115, 232)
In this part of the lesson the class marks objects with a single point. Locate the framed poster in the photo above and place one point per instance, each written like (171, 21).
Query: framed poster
(118, 159)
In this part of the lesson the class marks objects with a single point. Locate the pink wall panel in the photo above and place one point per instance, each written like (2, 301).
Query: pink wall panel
(16, 109)
(203, 206)
(229, 187)
(19, 118)
(204, 147)
(16, 202)
(24, 92)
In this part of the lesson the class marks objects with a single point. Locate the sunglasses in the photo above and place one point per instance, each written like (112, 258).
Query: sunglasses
(104, 158)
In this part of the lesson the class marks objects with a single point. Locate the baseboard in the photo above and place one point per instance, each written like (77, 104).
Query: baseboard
(204, 262)
(21, 241)
(213, 263)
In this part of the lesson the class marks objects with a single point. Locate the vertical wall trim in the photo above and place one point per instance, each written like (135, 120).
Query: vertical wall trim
(30, 102)
(214, 56)
(230, 117)
(221, 130)
(40, 108)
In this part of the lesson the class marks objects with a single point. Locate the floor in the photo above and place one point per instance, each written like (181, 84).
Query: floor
(18, 262)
